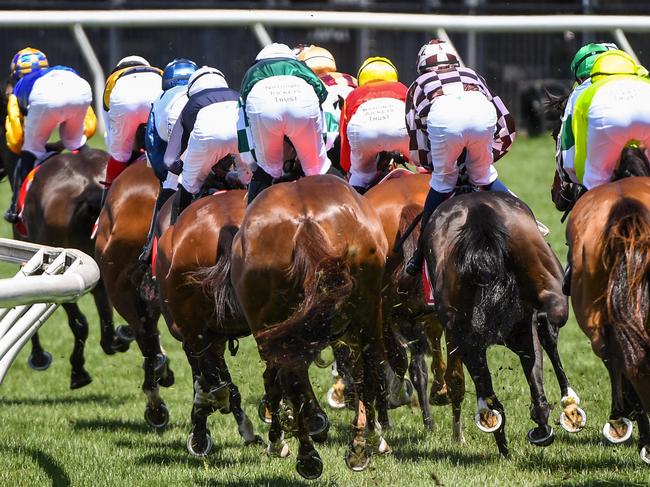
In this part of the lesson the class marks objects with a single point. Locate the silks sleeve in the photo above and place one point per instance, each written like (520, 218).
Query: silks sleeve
(14, 125)
(90, 123)
(344, 159)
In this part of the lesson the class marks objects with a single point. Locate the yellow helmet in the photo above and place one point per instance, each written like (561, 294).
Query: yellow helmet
(376, 69)
(615, 62)
(319, 59)
(26, 61)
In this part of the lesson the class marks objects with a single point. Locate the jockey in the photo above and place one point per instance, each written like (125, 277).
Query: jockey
(44, 97)
(339, 86)
(129, 92)
(450, 110)
(206, 133)
(163, 116)
(609, 115)
(581, 66)
(372, 121)
(282, 99)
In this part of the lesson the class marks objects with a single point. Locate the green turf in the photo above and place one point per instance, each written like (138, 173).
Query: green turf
(96, 436)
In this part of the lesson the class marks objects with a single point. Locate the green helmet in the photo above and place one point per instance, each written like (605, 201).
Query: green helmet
(584, 59)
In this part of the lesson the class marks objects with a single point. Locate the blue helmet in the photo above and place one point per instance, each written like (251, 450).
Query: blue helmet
(177, 73)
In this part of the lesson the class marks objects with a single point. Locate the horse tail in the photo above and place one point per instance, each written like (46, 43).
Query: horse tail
(483, 265)
(408, 215)
(215, 280)
(626, 256)
(327, 281)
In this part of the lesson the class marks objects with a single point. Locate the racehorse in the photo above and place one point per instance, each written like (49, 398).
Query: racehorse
(121, 233)
(397, 201)
(609, 240)
(193, 272)
(495, 281)
(307, 267)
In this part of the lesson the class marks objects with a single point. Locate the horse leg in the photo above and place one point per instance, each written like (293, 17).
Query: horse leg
(277, 447)
(109, 341)
(527, 347)
(419, 375)
(38, 359)
(79, 377)
(455, 380)
(439, 395)
(572, 418)
(316, 421)
(634, 408)
(618, 428)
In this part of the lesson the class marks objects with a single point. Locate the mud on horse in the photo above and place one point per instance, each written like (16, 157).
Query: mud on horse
(493, 274)
(193, 272)
(307, 269)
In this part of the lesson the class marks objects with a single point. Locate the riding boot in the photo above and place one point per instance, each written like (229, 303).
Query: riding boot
(434, 199)
(24, 165)
(163, 196)
(83, 150)
(360, 189)
(259, 182)
(497, 185)
(113, 169)
(182, 200)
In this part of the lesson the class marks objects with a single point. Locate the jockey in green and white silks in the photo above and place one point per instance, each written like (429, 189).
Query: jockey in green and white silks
(581, 66)
(609, 115)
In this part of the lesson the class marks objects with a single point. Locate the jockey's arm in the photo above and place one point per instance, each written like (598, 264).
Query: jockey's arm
(14, 125)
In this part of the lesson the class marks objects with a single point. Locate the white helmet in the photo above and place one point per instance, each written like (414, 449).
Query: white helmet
(436, 54)
(275, 50)
(204, 78)
(132, 61)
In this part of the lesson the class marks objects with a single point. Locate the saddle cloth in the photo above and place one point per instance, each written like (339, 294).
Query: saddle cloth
(20, 205)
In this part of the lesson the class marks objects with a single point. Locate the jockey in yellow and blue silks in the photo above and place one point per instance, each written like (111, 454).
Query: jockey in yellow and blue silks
(609, 115)
(43, 98)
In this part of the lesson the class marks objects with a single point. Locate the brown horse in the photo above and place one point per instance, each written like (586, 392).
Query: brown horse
(609, 240)
(497, 281)
(397, 202)
(307, 267)
(123, 225)
(193, 272)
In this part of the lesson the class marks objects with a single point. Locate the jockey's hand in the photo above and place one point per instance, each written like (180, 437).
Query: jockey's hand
(54, 146)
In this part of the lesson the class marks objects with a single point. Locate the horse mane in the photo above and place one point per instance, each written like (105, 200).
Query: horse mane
(633, 163)
(626, 256)
(554, 106)
(483, 265)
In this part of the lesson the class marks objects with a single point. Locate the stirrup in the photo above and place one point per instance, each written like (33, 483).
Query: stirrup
(11, 216)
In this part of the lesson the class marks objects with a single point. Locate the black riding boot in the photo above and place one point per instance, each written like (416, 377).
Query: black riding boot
(23, 167)
(163, 196)
(259, 182)
(182, 200)
(434, 199)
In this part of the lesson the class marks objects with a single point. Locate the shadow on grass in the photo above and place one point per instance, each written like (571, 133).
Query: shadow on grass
(593, 483)
(48, 401)
(274, 481)
(47, 463)
(133, 426)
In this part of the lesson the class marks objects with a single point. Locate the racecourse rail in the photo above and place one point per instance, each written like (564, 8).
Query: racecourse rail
(50, 276)
(76, 20)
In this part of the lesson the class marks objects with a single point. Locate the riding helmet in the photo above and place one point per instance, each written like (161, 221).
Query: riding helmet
(584, 59)
(26, 61)
(204, 78)
(615, 62)
(177, 73)
(436, 54)
(376, 69)
(319, 59)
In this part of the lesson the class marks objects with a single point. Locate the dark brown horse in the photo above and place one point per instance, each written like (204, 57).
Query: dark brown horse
(123, 225)
(609, 240)
(307, 269)
(193, 272)
(496, 281)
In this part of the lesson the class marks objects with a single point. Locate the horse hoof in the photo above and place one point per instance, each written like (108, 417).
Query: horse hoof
(541, 436)
(278, 449)
(488, 420)
(401, 397)
(383, 448)
(357, 459)
(40, 361)
(618, 430)
(645, 454)
(199, 449)
(335, 399)
(439, 398)
(264, 412)
(157, 416)
(322, 362)
(573, 419)
(428, 424)
(124, 333)
(310, 466)
(257, 440)
(318, 423)
(80, 379)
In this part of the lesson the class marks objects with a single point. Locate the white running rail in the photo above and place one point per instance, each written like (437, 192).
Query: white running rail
(48, 277)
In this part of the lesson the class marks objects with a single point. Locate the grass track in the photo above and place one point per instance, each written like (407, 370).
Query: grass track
(50, 435)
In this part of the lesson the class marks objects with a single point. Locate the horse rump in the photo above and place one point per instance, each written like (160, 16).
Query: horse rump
(327, 281)
(484, 269)
(626, 257)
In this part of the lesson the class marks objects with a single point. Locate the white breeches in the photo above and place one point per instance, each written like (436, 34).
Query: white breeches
(58, 98)
(618, 114)
(213, 137)
(286, 106)
(465, 120)
(129, 107)
(377, 125)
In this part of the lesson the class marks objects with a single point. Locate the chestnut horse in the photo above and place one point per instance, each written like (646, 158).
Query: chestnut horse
(609, 240)
(397, 202)
(122, 230)
(193, 272)
(497, 281)
(307, 267)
